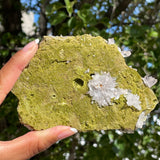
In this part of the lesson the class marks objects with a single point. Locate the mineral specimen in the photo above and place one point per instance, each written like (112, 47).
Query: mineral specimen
(82, 82)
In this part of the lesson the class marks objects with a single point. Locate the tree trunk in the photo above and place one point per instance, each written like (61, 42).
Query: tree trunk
(11, 16)
(43, 19)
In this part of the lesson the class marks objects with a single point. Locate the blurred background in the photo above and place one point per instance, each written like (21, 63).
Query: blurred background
(135, 26)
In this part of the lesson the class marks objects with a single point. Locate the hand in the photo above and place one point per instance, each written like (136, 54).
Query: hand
(33, 142)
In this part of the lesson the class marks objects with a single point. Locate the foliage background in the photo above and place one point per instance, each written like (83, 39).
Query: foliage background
(134, 24)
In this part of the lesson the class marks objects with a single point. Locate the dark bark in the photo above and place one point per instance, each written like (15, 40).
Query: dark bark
(114, 12)
(122, 6)
(11, 22)
(11, 16)
(43, 18)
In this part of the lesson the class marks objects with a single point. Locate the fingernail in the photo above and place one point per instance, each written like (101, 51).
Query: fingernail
(67, 133)
(74, 130)
(36, 41)
(30, 45)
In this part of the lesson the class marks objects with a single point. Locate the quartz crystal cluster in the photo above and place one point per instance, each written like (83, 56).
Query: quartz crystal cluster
(103, 88)
(83, 82)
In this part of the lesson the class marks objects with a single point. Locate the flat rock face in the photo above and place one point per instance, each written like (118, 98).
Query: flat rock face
(82, 82)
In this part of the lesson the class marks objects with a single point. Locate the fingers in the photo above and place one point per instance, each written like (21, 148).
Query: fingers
(33, 142)
(13, 68)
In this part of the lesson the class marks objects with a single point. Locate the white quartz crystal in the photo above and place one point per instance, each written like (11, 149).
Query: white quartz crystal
(126, 53)
(111, 41)
(133, 100)
(149, 81)
(103, 88)
(142, 118)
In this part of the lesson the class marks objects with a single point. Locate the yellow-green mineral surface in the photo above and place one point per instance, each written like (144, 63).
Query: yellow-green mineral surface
(82, 82)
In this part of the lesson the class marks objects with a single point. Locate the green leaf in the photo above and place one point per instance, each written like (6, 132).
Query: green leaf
(72, 22)
(81, 16)
(58, 18)
(69, 6)
(4, 53)
(52, 8)
(153, 34)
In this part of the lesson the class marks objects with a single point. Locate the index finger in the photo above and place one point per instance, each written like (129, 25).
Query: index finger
(13, 68)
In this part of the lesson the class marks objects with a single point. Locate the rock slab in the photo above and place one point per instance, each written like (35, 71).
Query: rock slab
(57, 88)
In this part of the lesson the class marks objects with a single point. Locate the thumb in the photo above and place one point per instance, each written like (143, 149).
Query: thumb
(33, 142)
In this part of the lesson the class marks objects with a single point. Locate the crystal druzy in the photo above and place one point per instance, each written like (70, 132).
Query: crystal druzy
(82, 82)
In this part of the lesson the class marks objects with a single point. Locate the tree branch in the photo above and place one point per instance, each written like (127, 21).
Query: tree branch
(115, 10)
(121, 7)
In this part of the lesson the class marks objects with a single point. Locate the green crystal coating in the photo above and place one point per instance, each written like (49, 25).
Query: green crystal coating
(53, 90)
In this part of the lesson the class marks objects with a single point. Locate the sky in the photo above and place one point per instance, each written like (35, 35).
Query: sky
(33, 2)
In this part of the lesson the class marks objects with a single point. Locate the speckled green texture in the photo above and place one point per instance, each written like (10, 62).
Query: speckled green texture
(53, 89)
